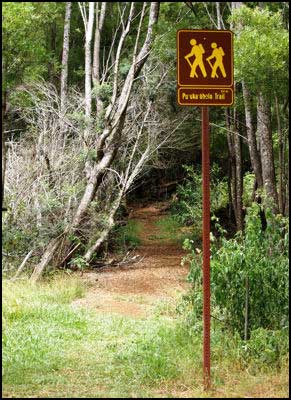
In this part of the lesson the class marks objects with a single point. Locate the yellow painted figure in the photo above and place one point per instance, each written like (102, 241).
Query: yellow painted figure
(197, 51)
(217, 53)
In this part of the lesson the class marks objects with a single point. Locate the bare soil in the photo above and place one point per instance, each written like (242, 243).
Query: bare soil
(134, 289)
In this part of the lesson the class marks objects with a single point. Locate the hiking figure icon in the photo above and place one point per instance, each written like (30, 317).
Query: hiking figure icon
(217, 53)
(197, 51)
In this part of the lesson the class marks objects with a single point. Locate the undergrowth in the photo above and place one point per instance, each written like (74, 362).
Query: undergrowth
(127, 236)
(170, 228)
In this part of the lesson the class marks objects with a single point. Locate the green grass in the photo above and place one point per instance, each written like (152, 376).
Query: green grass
(127, 236)
(52, 348)
(171, 229)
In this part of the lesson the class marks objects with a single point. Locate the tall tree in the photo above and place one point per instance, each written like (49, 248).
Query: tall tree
(96, 56)
(238, 171)
(263, 78)
(88, 25)
(251, 135)
(281, 172)
(236, 158)
(266, 149)
(231, 164)
(65, 55)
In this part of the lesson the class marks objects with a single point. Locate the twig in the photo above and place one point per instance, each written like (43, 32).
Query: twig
(115, 263)
(67, 256)
(22, 264)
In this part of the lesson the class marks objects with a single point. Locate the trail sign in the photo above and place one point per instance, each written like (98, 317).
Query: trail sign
(205, 78)
(204, 67)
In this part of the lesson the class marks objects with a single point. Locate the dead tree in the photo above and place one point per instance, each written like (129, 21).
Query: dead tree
(107, 142)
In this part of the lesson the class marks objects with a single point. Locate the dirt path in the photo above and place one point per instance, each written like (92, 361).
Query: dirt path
(134, 289)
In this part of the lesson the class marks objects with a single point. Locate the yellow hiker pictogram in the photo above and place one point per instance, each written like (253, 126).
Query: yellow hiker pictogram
(217, 53)
(197, 51)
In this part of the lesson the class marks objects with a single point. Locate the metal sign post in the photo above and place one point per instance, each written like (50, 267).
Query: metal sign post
(205, 78)
(206, 245)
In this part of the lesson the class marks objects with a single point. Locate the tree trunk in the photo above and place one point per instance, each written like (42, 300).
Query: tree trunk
(230, 204)
(266, 146)
(237, 4)
(96, 173)
(104, 234)
(88, 75)
(238, 174)
(218, 15)
(96, 54)
(107, 142)
(65, 56)
(251, 135)
(287, 184)
(49, 253)
(235, 159)
(281, 191)
(237, 168)
(4, 102)
(232, 169)
(22, 265)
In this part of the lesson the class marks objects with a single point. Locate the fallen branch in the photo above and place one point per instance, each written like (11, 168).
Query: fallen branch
(116, 263)
(132, 260)
(22, 265)
(68, 255)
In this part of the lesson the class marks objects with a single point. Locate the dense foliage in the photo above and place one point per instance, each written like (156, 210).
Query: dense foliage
(261, 36)
(189, 195)
(252, 267)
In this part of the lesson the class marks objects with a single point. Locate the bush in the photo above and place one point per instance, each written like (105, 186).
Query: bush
(248, 187)
(126, 236)
(261, 257)
(266, 347)
(171, 229)
(188, 209)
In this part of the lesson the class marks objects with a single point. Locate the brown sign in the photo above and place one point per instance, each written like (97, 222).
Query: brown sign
(205, 67)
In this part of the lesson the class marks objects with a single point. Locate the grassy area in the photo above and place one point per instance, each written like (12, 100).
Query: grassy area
(127, 236)
(171, 229)
(52, 348)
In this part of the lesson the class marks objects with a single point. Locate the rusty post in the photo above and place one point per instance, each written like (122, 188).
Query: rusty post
(206, 245)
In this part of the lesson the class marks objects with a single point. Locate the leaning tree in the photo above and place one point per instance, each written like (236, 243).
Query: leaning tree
(103, 131)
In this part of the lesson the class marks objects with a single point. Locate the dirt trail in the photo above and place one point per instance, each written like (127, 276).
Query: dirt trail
(134, 289)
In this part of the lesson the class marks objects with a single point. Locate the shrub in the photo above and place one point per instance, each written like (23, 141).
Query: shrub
(259, 257)
(126, 236)
(266, 347)
(248, 187)
(171, 229)
(188, 209)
